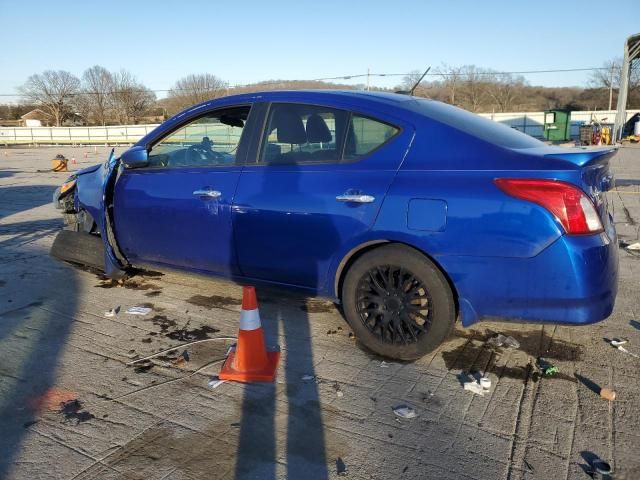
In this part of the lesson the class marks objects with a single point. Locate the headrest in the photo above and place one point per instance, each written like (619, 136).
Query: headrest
(317, 130)
(290, 127)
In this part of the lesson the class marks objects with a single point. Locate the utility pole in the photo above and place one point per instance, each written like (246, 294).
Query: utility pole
(368, 74)
(611, 86)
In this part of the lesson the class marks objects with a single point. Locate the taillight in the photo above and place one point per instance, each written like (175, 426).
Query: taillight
(573, 209)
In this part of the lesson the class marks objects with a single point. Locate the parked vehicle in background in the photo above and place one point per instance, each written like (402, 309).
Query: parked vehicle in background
(409, 212)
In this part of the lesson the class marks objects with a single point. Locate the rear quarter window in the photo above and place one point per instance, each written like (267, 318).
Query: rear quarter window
(472, 124)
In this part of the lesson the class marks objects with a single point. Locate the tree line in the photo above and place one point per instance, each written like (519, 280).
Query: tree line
(101, 97)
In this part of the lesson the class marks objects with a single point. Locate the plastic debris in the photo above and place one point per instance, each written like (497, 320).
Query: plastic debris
(500, 340)
(405, 411)
(138, 310)
(633, 246)
(624, 350)
(608, 394)
(384, 364)
(616, 342)
(215, 382)
(341, 468)
(112, 313)
(336, 387)
(479, 385)
(546, 368)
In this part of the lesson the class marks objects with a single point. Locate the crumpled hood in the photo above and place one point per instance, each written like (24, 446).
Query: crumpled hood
(90, 169)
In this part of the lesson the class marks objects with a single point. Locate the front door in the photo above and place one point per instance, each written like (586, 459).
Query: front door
(177, 211)
(316, 181)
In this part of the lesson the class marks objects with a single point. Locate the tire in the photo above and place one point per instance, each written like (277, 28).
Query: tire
(398, 302)
(79, 248)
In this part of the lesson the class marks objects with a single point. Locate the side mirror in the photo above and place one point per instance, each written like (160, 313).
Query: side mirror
(135, 157)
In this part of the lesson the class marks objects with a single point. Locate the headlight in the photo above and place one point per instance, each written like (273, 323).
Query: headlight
(66, 186)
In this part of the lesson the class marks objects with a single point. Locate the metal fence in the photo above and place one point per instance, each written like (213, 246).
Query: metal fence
(531, 123)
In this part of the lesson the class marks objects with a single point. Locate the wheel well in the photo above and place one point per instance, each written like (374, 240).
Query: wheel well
(357, 252)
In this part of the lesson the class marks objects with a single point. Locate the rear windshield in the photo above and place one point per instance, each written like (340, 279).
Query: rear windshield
(475, 125)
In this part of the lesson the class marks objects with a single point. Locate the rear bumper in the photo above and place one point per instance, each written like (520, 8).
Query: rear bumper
(573, 281)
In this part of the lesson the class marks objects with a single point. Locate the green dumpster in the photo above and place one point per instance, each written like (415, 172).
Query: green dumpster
(557, 125)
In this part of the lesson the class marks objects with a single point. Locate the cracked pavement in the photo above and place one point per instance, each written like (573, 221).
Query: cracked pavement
(71, 407)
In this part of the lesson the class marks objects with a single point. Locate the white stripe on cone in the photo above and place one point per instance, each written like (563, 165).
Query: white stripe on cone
(250, 319)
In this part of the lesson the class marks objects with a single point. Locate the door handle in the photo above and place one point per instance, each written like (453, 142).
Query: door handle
(207, 193)
(356, 198)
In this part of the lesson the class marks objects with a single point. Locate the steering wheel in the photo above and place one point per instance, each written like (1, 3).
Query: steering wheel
(201, 154)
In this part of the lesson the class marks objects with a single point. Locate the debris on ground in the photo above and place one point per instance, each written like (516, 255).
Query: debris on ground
(341, 468)
(384, 364)
(138, 310)
(600, 469)
(52, 399)
(547, 368)
(405, 411)
(336, 387)
(618, 344)
(500, 340)
(112, 313)
(479, 386)
(608, 394)
(332, 332)
(215, 382)
(633, 246)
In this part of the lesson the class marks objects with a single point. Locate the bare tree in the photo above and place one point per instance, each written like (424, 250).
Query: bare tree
(409, 80)
(451, 79)
(95, 101)
(609, 78)
(129, 98)
(195, 88)
(474, 86)
(53, 91)
(504, 88)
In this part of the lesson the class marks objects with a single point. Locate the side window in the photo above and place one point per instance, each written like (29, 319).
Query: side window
(210, 140)
(303, 133)
(365, 135)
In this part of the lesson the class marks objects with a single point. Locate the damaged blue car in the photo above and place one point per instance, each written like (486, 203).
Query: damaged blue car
(409, 212)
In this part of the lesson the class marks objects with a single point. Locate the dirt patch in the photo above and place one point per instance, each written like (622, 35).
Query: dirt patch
(214, 301)
(185, 335)
(317, 307)
(72, 410)
(128, 284)
(163, 322)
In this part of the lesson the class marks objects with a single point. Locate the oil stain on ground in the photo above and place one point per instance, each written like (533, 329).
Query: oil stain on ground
(214, 301)
(129, 285)
(72, 410)
(535, 344)
(201, 333)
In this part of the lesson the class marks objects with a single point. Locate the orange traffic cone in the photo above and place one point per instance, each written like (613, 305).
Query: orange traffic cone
(250, 362)
(73, 161)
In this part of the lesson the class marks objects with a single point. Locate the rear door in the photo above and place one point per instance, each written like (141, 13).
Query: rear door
(177, 211)
(316, 180)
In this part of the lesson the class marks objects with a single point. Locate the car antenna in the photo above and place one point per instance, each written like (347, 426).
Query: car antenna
(410, 92)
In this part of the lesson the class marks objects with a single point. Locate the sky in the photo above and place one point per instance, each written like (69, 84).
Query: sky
(248, 41)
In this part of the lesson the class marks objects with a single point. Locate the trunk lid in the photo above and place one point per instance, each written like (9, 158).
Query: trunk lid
(595, 176)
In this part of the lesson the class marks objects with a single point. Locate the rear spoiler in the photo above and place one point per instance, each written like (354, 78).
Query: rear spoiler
(583, 156)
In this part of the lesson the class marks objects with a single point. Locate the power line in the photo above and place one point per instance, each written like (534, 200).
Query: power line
(342, 77)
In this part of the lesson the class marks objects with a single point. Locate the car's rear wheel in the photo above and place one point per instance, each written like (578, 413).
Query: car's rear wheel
(398, 302)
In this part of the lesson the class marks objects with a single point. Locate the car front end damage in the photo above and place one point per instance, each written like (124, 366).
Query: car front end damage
(85, 200)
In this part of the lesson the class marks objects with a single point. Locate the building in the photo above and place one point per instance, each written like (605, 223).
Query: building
(35, 118)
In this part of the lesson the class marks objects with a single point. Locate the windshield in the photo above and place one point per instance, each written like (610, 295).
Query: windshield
(475, 125)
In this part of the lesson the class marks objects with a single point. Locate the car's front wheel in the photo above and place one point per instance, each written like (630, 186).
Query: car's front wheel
(398, 302)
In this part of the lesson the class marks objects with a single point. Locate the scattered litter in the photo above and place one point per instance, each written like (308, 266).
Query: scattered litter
(600, 469)
(633, 246)
(352, 336)
(215, 382)
(547, 369)
(405, 411)
(112, 313)
(608, 394)
(616, 343)
(341, 468)
(138, 310)
(384, 364)
(624, 350)
(308, 378)
(331, 332)
(479, 386)
(52, 399)
(500, 340)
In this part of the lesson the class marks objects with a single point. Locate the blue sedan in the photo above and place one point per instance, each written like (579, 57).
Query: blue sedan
(409, 212)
